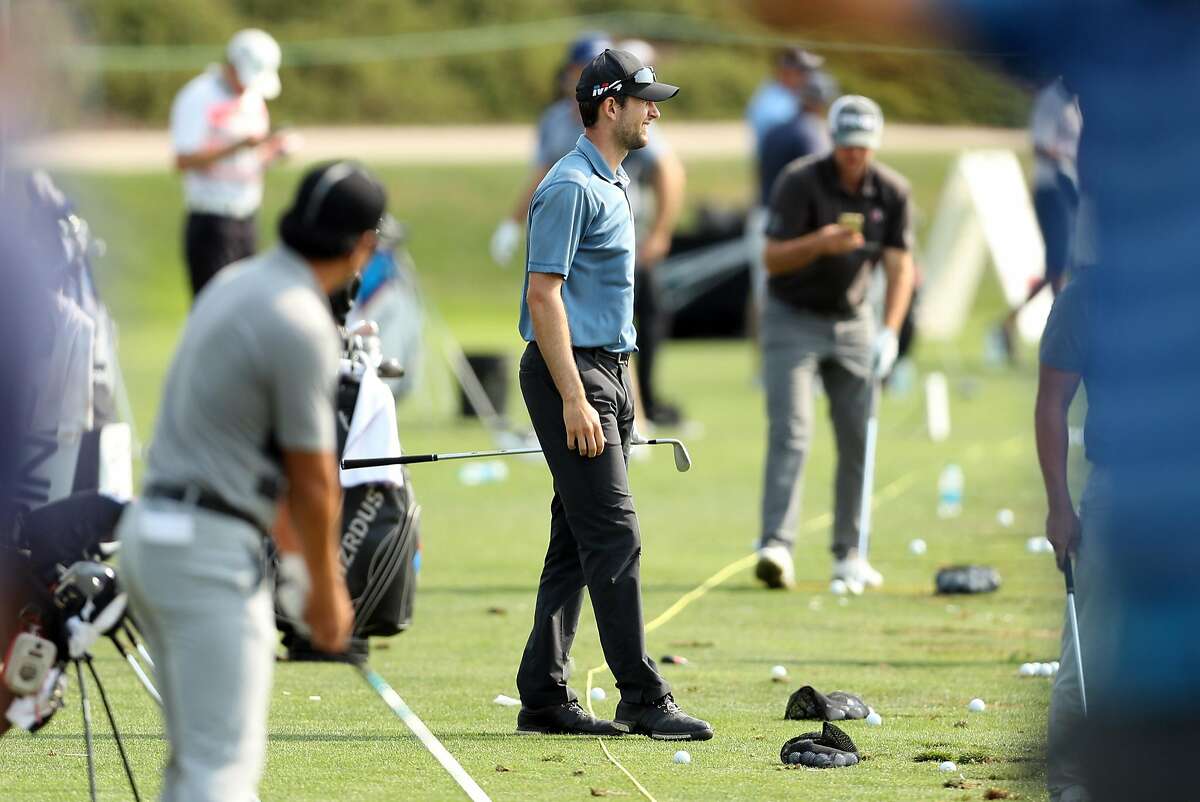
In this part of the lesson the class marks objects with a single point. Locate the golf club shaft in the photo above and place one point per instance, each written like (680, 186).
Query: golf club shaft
(89, 748)
(868, 485)
(410, 459)
(138, 671)
(427, 738)
(1073, 621)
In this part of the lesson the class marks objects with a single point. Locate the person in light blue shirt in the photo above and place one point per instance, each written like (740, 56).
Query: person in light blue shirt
(577, 316)
(778, 100)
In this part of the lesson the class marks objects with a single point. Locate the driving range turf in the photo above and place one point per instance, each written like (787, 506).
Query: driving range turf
(916, 658)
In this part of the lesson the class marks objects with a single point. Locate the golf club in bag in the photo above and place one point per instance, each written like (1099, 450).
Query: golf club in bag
(1073, 622)
(683, 460)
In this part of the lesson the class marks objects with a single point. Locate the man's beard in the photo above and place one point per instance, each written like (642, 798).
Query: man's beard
(632, 138)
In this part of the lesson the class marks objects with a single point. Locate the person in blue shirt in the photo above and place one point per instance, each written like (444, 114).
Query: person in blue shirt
(577, 316)
(778, 100)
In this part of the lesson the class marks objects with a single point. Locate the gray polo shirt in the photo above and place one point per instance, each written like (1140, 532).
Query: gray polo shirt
(581, 228)
(254, 373)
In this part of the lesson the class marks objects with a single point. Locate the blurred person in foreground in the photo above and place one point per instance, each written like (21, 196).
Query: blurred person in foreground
(221, 135)
(246, 427)
(832, 220)
(1054, 127)
(577, 318)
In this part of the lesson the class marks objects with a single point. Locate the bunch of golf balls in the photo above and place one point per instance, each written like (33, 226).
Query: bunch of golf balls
(1038, 669)
(821, 760)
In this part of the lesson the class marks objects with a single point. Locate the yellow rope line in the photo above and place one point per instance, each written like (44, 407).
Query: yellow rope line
(889, 492)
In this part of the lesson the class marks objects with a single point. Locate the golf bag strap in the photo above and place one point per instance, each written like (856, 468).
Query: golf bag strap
(204, 500)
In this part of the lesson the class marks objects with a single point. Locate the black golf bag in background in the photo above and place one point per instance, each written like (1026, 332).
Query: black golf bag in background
(379, 546)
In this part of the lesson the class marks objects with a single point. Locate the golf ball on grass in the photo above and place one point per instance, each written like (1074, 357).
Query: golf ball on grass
(874, 719)
(1028, 670)
(778, 672)
(682, 757)
(947, 765)
(598, 695)
(1005, 517)
(838, 587)
(917, 547)
(1045, 669)
(1054, 667)
(976, 706)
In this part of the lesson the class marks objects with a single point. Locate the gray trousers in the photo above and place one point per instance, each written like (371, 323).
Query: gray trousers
(1065, 763)
(197, 588)
(797, 346)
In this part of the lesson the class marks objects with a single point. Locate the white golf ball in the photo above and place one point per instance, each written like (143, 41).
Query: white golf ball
(837, 587)
(778, 672)
(598, 695)
(917, 547)
(1045, 669)
(1005, 517)
(682, 757)
(1028, 670)
(976, 706)
(1054, 666)
(874, 719)
(947, 766)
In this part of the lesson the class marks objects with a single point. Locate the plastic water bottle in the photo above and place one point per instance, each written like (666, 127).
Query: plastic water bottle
(950, 491)
(482, 473)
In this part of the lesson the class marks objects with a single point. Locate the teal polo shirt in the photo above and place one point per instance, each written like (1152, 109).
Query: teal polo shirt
(581, 228)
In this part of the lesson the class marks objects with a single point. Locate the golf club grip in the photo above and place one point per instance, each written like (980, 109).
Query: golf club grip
(1069, 574)
(375, 462)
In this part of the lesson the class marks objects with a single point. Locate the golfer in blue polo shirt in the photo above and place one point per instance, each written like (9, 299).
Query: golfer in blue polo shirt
(577, 316)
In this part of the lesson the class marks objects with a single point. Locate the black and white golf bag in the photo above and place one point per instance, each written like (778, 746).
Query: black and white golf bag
(380, 542)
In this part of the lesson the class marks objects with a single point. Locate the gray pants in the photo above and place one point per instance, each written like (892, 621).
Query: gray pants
(796, 346)
(197, 588)
(1065, 764)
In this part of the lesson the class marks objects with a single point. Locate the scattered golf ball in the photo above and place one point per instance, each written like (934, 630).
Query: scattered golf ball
(842, 602)
(1028, 670)
(682, 757)
(314, 698)
(1054, 666)
(598, 695)
(1038, 545)
(917, 547)
(874, 719)
(976, 706)
(1005, 517)
(778, 672)
(838, 587)
(1045, 669)
(947, 765)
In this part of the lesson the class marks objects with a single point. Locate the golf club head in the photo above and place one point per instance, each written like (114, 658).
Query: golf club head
(683, 460)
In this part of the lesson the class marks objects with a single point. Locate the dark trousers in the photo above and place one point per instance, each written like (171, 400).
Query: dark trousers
(594, 539)
(211, 241)
(651, 328)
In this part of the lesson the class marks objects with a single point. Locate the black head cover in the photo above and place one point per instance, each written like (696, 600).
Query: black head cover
(967, 579)
(810, 704)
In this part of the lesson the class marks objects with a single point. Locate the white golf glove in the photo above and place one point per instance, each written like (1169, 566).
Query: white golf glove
(292, 584)
(887, 348)
(505, 240)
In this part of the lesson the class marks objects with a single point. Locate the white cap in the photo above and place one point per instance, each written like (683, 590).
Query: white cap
(640, 48)
(856, 122)
(255, 56)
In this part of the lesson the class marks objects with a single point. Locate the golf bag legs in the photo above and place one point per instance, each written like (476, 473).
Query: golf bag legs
(89, 744)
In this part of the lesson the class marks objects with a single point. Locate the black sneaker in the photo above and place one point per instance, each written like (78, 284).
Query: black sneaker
(568, 718)
(662, 720)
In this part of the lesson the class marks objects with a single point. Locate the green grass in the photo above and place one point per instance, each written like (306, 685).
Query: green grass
(918, 659)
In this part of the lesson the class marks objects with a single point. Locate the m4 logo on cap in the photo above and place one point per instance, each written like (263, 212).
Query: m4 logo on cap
(600, 89)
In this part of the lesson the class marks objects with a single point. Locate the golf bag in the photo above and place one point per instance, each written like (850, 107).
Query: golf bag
(379, 547)
(52, 556)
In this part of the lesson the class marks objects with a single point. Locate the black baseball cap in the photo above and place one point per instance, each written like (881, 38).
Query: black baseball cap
(800, 59)
(335, 204)
(619, 72)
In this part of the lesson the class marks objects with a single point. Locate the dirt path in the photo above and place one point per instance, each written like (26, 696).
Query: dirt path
(143, 150)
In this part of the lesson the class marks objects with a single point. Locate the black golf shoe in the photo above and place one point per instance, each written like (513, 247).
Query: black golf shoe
(568, 718)
(662, 720)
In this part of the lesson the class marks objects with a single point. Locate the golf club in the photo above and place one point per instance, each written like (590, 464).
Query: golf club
(427, 738)
(683, 460)
(138, 671)
(864, 514)
(1073, 620)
